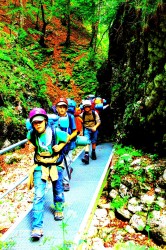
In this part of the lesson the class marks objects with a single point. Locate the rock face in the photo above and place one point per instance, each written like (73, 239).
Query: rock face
(137, 54)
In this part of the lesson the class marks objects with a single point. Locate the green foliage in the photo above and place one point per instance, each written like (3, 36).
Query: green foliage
(83, 73)
(140, 175)
(10, 115)
(153, 157)
(121, 150)
(66, 244)
(21, 82)
(122, 167)
(115, 181)
(156, 207)
(118, 202)
(132, 246)
(147, 9)
(23, 77)
(7, 244)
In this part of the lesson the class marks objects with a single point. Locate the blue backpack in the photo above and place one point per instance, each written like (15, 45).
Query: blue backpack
(71, 106)
(63, 123)
(53, 119)
(53, 142)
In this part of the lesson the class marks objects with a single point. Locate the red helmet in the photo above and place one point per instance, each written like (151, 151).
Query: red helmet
(61, 101)
(37, 112)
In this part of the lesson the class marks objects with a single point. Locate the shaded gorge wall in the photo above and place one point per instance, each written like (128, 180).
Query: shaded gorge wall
(135, 78)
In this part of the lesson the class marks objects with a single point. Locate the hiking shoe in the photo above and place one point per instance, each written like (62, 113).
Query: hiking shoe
(58, 216)
(66, 187)
(85, 159)
(93, 156)
(37, 233)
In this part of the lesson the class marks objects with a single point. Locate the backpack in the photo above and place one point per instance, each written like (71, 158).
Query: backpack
(62, 123)
(70, 112)
(52, 120)
(94, 116)
(53, 142)
(67, 128)
(71, 106)
(98, 103)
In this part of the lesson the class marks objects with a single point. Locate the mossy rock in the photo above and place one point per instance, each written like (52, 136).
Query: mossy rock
(151, 117)
(158, 78)
(164, 45)
(150, 87)
(165, 66)
(161, 107)
(160, 53)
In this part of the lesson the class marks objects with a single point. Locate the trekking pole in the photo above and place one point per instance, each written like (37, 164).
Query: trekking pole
(67, 168)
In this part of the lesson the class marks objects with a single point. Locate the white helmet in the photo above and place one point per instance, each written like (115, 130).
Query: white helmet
(86, 103)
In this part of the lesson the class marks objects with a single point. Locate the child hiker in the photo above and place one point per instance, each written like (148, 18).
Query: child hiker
(47, 142)
(61, 109)
(91, 121)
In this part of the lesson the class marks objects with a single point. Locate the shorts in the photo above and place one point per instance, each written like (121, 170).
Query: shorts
(91, 135)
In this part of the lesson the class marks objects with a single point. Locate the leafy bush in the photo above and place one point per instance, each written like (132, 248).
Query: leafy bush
(22, 83)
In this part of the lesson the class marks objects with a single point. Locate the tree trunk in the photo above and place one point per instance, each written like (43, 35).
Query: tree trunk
(93, 41)
(67, 42)
(42, 37)
(21, 15)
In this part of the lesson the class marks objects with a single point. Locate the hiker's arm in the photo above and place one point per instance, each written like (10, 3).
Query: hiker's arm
(59, 146)
(94, 128)
(81, 133)
(106, 106)
(98, 122)
(73, 134)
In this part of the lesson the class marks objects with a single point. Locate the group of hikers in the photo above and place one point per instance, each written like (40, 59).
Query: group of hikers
(53, 145)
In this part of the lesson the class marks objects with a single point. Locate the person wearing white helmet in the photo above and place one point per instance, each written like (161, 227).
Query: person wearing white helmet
(91, 121)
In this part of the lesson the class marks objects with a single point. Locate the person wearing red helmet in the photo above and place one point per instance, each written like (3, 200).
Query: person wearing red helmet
(91, 121)
(61, 108)
(47, 142)
(61, 101)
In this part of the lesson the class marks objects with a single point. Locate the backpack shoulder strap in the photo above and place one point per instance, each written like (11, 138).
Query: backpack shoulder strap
(70, 119)
(94, 115)
(54, 136)
(83, 116)
(70, 124)
(33, 137)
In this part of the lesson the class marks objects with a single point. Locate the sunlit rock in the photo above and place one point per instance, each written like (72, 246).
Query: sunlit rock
(138, 222)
